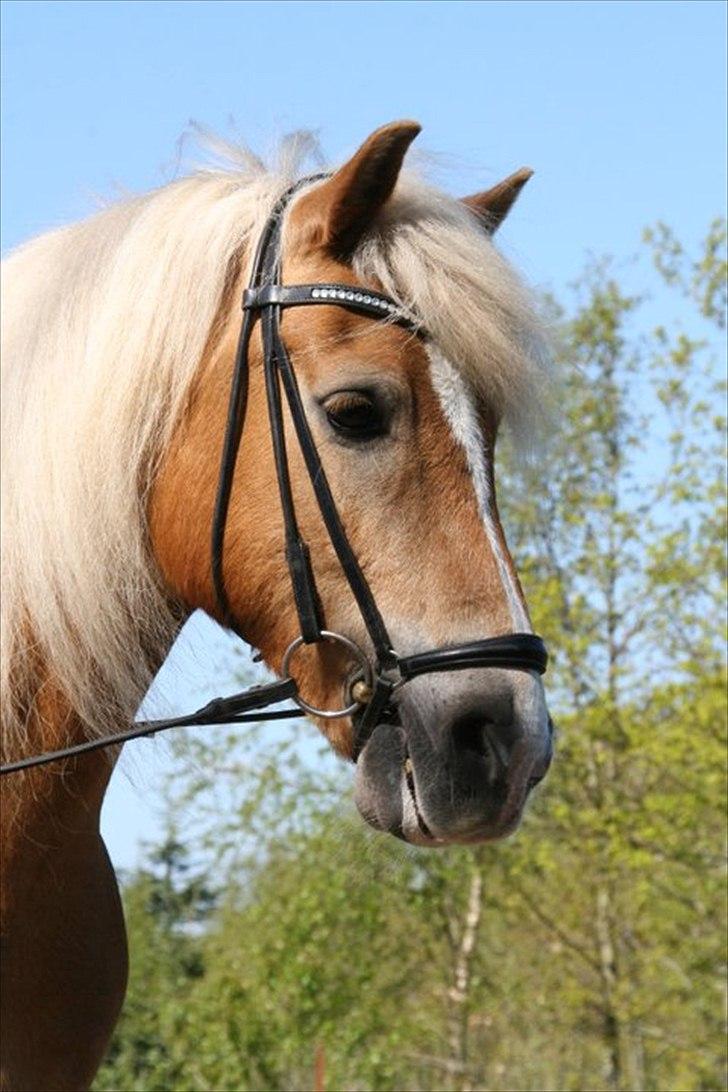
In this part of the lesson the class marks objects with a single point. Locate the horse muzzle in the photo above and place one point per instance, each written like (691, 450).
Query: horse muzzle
(456, 766)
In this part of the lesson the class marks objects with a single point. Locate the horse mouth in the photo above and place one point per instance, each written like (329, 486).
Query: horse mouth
(386, 788)
(429, 795)
(409, 783)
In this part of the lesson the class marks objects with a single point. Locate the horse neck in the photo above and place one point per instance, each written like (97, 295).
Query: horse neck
(63, 797)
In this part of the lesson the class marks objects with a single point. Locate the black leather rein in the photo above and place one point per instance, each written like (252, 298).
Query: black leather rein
(378, 676)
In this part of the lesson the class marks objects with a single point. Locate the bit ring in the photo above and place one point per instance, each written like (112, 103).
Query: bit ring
(359, 655)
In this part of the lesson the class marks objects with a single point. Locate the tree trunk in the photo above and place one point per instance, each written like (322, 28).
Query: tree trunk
(459, 992)
(625, 1070)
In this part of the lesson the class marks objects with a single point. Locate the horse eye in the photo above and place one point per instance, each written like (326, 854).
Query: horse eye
(355, 414)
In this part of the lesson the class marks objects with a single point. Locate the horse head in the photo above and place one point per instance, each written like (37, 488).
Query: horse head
(405, 426)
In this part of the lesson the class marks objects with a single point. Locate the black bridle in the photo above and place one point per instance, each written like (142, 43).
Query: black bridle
(377, 676)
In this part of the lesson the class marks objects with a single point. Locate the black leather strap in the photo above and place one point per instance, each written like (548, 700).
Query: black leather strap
(367, 301)
(237, 404)
(523, 651)
(231, 443)
(237, 709)
(365, 724)
(330, 513)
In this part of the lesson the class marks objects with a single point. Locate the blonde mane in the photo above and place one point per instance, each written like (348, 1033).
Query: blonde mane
(104, 325)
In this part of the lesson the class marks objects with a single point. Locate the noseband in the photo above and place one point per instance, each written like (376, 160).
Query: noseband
(380, 673)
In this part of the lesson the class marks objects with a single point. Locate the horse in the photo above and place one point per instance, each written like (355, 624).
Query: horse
(120, 344)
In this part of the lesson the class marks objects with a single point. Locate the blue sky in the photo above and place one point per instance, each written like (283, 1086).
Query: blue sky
(619, 107)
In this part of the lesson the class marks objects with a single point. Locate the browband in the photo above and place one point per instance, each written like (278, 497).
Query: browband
(296, 295)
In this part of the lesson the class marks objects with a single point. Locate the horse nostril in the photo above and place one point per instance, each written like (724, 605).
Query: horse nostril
(468, 734)
(476, 736)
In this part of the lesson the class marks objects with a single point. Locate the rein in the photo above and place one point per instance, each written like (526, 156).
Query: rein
(369, 691)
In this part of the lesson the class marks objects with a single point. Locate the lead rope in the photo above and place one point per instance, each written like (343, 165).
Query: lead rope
(233, 710)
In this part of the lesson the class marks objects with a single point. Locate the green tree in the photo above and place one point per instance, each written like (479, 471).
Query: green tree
(587, 952)
(622, 552)
(166, 906)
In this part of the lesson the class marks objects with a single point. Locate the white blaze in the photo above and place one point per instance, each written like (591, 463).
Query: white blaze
(458, 405)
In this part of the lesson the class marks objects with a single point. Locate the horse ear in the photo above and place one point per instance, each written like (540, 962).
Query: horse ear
(337, 213)
(493, 205)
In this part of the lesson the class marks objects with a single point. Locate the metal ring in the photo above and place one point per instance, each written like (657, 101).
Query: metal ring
(352, 647)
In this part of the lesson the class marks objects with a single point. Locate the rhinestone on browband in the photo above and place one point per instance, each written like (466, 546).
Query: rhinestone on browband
(353, 297)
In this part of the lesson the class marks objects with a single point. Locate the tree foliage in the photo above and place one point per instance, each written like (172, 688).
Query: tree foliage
(588, 952)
